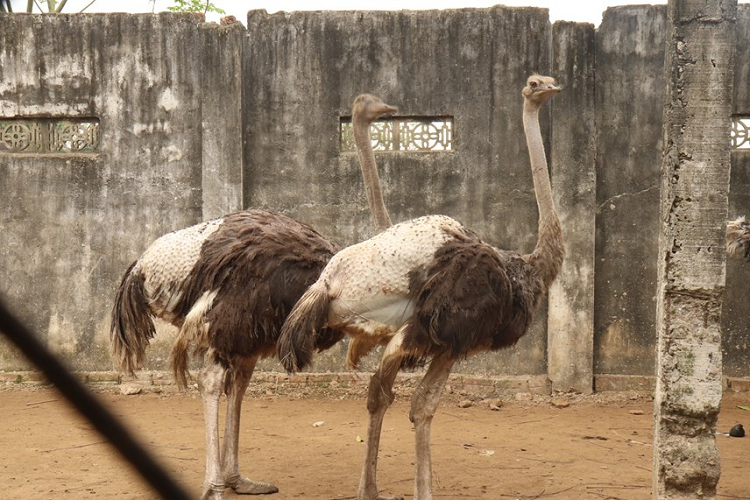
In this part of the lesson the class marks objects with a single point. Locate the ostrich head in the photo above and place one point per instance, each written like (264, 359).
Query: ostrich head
(738, 238)
(368, 108)
(539, 88)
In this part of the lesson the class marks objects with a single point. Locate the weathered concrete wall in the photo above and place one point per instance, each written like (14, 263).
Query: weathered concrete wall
(629, 96)
(72, 223)
(629, 107)
(570, 323)
(303, 70)
(736, 332)
(167, 87)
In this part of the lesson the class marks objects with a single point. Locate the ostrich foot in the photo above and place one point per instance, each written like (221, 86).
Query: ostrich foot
(244, 486)
(213, 494)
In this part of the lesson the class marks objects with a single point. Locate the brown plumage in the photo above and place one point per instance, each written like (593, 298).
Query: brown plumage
(470, 298)
(228, 284)
(738, 238)
(429, 290)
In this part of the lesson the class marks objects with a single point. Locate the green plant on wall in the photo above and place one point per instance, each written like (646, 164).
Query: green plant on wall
(195, 6)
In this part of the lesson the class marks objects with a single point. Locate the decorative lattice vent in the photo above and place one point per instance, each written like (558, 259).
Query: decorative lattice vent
(49, 135)
(411, 134)
(740, 132)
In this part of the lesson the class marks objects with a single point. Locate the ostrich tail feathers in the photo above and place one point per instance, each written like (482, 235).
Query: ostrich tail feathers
(178, 359)
(194, 331)
(304, 330)
(738, 238)
(132, 327)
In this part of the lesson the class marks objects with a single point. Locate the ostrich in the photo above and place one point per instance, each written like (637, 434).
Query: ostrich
(228, 285)
(429, 289)
(738, 238)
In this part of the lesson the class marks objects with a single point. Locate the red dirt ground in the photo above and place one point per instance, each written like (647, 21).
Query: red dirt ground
(598, 447)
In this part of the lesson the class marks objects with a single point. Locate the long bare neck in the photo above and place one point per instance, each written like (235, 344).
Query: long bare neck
(549, 252)
(370, 175)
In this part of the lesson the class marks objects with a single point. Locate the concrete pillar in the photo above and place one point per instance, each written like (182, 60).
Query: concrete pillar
(221, 128)
(691, 280)
(570, 324)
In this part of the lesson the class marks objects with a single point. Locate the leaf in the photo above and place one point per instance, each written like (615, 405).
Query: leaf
(359, 439)
(746, 408)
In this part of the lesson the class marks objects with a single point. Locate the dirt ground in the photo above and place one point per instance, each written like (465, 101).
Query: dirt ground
(531, 447)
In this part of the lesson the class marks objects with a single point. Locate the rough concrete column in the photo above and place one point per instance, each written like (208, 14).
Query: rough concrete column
(691, 281)
(570, 325)
(221, 130)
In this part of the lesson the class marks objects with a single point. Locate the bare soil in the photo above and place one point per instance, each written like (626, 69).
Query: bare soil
(559, 447)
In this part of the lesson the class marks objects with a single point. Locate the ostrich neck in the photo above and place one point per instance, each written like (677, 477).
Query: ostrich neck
(370, 175)
(548, 254)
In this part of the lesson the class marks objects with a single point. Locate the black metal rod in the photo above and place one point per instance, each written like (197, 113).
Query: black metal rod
(104, 421)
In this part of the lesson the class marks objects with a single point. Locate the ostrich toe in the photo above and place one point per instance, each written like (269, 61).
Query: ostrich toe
(213, 494)
(245, 486)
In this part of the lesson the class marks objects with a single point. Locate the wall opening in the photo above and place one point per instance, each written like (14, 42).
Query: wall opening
(409, 134)
(740, 132)
(49, 135)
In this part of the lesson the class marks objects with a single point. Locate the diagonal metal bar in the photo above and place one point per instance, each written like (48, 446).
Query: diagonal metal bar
(85, 402)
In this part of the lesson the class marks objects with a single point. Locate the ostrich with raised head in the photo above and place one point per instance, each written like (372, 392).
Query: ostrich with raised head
(429, 290)
(228, 285)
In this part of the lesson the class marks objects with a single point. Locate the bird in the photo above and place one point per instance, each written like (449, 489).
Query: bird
(738, 238)
(432, 292)
(228, 284)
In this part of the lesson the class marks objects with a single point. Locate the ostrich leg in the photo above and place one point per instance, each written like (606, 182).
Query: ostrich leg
(230, 446)
(211, 385)
(379, 398)
(424, 403)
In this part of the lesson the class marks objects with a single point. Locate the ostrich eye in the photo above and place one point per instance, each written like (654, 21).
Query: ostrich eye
(533, 85)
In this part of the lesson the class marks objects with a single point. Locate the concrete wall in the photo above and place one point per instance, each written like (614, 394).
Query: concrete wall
(630, 88)
(166, 91)
(304, 69)
(199, 120)
(736, 334)
(629, 107)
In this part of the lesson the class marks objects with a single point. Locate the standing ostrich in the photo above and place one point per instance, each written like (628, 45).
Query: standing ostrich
(738, 238)
(428, 289)
(228, 284)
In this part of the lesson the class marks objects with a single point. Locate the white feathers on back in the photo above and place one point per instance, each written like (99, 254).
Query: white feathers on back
(363, 290)
(169, 260)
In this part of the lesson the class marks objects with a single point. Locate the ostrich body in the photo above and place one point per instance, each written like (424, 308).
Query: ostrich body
(738, 238)
(227, 284)
(429, 289)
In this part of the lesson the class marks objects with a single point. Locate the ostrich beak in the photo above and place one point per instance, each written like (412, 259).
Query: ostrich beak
(387, 109)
